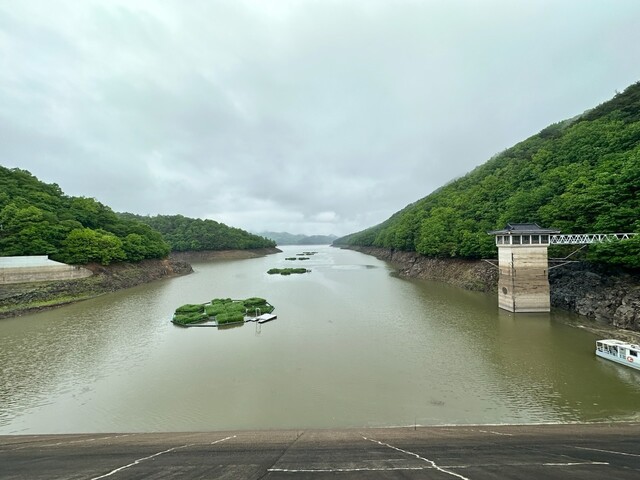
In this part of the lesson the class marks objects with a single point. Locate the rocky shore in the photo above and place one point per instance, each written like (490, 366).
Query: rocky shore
(604, 295)
(22, 298)
(19, 299)
(611, 296)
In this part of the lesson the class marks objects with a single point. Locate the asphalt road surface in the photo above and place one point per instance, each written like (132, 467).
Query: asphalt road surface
(593, 451)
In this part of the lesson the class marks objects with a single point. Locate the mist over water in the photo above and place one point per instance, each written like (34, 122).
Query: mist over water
(352, 346)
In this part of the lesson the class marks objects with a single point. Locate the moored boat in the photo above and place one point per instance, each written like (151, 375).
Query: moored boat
(621, 352)
(266, 317)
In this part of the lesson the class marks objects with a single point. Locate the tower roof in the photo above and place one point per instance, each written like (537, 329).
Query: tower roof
(523, 228)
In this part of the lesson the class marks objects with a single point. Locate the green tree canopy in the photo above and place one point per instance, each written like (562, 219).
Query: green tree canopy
(187, 234)
(38, 219)
(580, 176)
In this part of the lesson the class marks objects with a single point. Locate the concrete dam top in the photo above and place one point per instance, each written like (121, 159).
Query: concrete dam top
(37, 268)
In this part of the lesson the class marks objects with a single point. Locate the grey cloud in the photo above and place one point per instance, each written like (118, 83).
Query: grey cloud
(307, 116)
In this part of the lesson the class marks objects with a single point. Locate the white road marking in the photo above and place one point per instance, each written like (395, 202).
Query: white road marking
(496, 433)
(140, 460)
(329, 470)
(607, 451)
(431, 462)
(525, 464)
(390, 469)
(84, 440)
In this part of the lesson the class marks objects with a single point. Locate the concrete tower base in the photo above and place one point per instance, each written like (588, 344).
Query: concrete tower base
(523, 285)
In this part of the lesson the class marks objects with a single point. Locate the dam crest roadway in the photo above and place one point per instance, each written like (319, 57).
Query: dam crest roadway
(580, 451)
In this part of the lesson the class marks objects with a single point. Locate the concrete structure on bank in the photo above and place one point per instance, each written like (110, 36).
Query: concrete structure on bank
(37, 268)
(523, 285)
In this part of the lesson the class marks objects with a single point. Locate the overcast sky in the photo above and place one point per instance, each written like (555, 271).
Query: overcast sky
(316, 117)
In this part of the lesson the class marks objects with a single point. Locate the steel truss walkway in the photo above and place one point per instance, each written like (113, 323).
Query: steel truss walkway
(588, 238)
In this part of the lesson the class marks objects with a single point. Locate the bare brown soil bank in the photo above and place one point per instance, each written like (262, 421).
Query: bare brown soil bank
(24, 298)
(468, 274)
(205, 255)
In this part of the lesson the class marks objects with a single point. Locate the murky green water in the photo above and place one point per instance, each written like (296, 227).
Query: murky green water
(352, 346)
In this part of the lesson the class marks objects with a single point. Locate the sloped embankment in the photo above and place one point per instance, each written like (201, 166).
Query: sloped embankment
(469, 274)
(206, 255)
(24, 298)
(606, 294)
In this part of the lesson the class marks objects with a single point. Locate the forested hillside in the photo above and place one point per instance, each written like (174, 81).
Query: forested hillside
(194, 234)
(39, 219)
(580, 176)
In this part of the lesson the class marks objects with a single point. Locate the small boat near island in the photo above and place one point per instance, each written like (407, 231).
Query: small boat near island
(266, 317)
(620, 352)
(223, 312)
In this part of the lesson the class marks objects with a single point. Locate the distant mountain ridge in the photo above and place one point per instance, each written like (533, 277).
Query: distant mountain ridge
(286, 238)
(580, 175)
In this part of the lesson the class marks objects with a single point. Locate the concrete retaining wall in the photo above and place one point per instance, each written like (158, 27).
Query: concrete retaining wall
(42, 273)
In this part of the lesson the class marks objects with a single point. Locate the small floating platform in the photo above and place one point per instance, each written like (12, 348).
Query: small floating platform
(266, 317)
(210, 323)
(221, 312)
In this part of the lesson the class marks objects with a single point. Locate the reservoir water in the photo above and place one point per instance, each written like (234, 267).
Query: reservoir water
(352, 346)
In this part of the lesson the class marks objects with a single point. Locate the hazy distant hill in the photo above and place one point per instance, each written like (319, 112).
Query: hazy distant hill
(285, 238)
(580, 176)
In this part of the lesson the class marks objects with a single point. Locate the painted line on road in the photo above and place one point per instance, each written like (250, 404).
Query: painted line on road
(606, 451)
(496, 433)
(428, 467)
(84, 440)
(330, 470)
(140, 460)
(431, 462)
(526, 464)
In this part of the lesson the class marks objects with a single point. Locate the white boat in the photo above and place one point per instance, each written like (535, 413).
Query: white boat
(621, 352)
(266, 317)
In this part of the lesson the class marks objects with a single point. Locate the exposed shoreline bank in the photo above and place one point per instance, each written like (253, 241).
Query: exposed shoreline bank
(607, 299)
(25, 298)
(207, 255)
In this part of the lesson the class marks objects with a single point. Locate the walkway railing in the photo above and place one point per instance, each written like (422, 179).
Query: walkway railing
(588, 238)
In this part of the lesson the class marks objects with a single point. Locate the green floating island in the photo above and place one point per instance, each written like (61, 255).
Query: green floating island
(297, 258)
(306, 253)
(221, 311)
(287, 271)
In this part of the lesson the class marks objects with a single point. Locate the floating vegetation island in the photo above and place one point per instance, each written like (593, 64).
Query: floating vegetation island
(222, 311)
(297, 258)
(287, 271)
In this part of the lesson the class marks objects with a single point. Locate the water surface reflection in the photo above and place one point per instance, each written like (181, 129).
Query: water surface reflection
(352, 346)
